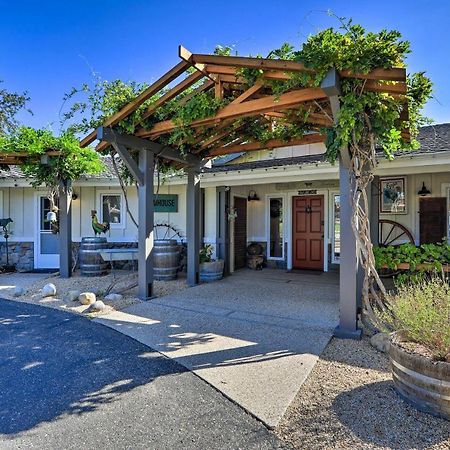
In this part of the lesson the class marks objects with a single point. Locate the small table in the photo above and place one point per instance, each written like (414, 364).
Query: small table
(118, 254)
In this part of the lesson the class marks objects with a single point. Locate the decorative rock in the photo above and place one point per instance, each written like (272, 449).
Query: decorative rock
(97, 306)
(114, 297)
(381, 341)
(87, 298)
(18, 291)
(73, 295)
(49, 290)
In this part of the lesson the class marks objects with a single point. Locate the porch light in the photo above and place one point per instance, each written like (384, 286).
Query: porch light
(252, 196)
(424, 192)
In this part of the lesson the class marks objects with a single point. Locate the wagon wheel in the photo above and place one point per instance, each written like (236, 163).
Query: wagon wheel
(390, 232)
(167, 231)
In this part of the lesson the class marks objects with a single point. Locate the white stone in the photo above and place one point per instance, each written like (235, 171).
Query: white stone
(114, 297)
(97, 306)
(381, 341)
(49, 290)
(87, 298)
(73, 295)
(18, 291)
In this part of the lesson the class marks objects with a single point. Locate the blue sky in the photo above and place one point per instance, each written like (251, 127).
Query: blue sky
(46, 47)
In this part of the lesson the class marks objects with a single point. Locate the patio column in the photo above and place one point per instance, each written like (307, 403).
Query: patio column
(193, 226)
(145, 229)
(65, 230)
(223, 227)
(348, 268)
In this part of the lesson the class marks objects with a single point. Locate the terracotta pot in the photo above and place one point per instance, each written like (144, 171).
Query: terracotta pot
(420, 381)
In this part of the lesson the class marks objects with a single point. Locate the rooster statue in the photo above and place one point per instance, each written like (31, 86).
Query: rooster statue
(97, 226)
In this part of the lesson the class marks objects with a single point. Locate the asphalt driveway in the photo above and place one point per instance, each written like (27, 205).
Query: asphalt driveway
(66, 382)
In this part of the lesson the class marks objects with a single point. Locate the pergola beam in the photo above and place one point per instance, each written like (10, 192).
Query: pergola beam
(248, 108)
(167, 78)
(273, 143)
(136, 143)
(393, 74)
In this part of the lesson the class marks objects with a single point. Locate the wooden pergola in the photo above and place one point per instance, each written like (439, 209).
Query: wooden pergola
(225, 132)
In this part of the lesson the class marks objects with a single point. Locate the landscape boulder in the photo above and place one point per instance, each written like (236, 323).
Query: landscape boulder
(113, 297)
(49, 290)
(97, 306)
(381, 341)
(18, 291)
(73, 295)
(87, 298)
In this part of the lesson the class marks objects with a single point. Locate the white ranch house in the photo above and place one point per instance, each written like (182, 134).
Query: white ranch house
(278, 178)
(287, 199)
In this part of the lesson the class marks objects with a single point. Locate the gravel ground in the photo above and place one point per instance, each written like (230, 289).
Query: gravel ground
(348, 402)
(97, 285)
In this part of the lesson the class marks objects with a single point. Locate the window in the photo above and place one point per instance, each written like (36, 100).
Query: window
(111, 209)
(336, 231)
(276, 228)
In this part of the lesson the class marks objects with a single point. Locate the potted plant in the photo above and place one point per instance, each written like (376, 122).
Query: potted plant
(210, 269)
(419, 316)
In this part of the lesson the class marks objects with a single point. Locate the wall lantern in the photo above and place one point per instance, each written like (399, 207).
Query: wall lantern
(252, 196)
(74, 196)
(424, 192)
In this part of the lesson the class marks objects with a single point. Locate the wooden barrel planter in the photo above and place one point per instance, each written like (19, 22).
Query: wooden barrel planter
(211, 271)
(420, 381)
(166, 259)
(91, 262)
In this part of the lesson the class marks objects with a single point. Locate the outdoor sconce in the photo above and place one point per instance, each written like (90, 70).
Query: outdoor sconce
(252, 196)
(424, 192)
(74, 196)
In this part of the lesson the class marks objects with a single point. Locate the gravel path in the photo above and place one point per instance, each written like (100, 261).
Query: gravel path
(33, 283)
(348, 402)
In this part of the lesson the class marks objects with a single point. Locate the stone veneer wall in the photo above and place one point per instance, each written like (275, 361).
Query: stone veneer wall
(21, 255)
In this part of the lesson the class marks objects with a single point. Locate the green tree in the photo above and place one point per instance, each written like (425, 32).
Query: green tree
(10, 104)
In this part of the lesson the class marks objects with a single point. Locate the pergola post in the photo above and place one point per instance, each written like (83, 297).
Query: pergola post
(223, 227)
(193, 226)
(348, 269)
(145, 231)
(65, 230)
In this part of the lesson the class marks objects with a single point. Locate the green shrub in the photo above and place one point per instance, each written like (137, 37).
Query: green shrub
(421, 312)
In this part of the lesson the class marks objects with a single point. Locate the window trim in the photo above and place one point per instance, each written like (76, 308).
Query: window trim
(445, 192)
(113, 226)
(267, 220)
(333, 236)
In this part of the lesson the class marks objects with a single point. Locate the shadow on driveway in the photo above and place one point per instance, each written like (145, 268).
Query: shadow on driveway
(66, 382)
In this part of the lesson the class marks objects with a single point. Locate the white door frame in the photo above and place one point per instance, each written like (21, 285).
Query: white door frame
(50, 261)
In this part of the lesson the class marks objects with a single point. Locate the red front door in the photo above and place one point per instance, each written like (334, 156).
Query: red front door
(307, 226)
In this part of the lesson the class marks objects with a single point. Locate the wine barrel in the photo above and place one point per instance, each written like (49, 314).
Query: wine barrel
(420, 381)
(91, 262)
(166, 259)
(211, 271)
